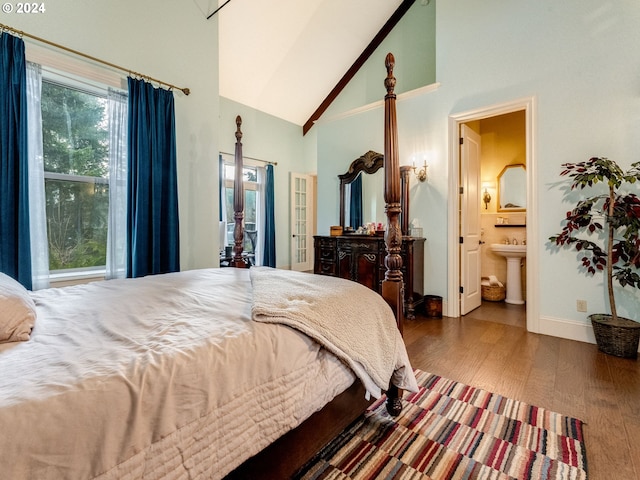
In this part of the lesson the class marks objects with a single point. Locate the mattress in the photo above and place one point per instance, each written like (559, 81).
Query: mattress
(159, 377)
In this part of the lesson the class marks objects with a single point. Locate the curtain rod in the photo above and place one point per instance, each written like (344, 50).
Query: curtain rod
(7, 28)
(250, 158)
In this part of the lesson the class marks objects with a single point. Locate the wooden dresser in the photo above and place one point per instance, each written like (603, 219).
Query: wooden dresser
(361, 258)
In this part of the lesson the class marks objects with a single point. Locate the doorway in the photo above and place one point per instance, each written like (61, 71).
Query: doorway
(455, 265)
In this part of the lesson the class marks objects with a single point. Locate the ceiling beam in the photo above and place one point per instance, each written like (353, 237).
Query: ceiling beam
(218, 9)
(364, 56)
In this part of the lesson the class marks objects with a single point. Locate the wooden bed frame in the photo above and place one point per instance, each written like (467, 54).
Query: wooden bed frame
(291, 451)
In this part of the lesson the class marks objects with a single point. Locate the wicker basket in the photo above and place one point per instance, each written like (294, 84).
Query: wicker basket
(492, 293)
(619, 339)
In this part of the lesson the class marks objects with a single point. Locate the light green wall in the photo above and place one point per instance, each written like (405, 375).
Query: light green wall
(579, 61)
(141, 35)
(413, 43)
(339, 144)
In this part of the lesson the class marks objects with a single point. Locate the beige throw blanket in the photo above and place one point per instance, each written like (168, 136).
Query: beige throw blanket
(348, 319)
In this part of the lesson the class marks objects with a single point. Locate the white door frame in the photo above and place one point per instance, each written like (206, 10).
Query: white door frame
(453, 284)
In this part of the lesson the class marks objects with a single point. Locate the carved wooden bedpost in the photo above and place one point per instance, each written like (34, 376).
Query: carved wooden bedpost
(238, 201)
(392, 285)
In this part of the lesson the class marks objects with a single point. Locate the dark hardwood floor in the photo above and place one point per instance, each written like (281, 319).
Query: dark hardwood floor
(491, 349)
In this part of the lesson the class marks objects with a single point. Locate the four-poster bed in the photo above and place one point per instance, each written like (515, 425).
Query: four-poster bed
(290, 452)
(190, 374)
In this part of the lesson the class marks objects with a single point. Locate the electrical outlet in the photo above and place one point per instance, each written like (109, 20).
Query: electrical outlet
(581, 305)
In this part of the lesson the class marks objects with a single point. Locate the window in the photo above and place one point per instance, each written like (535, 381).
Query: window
(76, 167)
(251, 202)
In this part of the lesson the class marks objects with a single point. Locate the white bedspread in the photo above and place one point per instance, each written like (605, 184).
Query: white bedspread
(162, 377)
(343, 316)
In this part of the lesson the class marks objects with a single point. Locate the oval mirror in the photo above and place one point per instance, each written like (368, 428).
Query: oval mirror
(512, 188)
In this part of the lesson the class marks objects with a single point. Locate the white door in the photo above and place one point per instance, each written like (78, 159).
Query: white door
(470, 230)
(301, 222)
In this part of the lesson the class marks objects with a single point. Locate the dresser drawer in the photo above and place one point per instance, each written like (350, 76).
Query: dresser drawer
(325, 242)
(364, 244)
(325, 268)
(326, 254)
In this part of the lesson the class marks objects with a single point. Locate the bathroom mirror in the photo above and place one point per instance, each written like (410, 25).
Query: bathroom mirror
(512, 188)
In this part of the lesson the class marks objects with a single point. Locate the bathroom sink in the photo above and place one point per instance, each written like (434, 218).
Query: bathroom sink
(514, 255)
(516, 251)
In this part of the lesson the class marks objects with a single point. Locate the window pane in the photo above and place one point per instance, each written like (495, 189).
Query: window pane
(250, 209)
(74, 131)
(75, 143)
(250, 185)
(250, 220)
(76, 223)
(229, 172)
(249, 174)
(229, 210)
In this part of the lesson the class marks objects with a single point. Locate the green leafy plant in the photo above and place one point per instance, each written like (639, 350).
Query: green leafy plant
(616, 213)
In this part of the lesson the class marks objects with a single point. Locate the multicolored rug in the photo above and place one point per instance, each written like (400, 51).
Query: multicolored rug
(453, 431)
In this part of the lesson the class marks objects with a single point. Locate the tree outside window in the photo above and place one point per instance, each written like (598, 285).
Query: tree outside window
(76, 164)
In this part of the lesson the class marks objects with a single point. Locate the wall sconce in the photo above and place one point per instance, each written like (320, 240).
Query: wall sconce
(421, 174)
(486, 197)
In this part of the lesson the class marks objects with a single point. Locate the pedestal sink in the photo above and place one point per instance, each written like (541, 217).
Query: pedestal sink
(514, 255)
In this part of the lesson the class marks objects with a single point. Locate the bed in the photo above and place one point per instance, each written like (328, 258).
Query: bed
(238, 372)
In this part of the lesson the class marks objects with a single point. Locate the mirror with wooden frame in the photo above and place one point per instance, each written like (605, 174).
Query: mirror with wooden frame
(370, 167)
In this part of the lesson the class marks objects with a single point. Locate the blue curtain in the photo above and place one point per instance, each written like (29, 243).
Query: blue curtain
(355, 205)
(15, 251)
(269, 257)
(153, 241)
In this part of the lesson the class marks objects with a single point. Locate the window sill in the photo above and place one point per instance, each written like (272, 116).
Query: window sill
(75, 277)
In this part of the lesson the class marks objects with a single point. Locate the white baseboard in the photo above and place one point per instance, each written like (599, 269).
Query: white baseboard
(558, 327)
(569, 329)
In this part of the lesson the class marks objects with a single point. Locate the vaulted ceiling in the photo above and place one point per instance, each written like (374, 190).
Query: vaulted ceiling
(284, 57)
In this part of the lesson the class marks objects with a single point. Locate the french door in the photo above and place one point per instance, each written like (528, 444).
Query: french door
(302, 221)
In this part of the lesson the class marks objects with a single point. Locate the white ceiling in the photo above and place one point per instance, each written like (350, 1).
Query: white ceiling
(283, 57)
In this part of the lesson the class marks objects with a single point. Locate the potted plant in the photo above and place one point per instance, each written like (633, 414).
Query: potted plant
(605, 229)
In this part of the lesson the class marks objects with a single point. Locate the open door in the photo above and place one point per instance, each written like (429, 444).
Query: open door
(470, 229)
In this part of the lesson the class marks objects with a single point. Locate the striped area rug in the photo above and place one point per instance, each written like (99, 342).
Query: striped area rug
(453, 431)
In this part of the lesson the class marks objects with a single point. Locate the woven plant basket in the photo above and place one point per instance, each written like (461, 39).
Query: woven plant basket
(493, 293)
(619, 339)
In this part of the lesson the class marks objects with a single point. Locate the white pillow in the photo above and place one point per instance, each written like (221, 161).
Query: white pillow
(17, 311)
